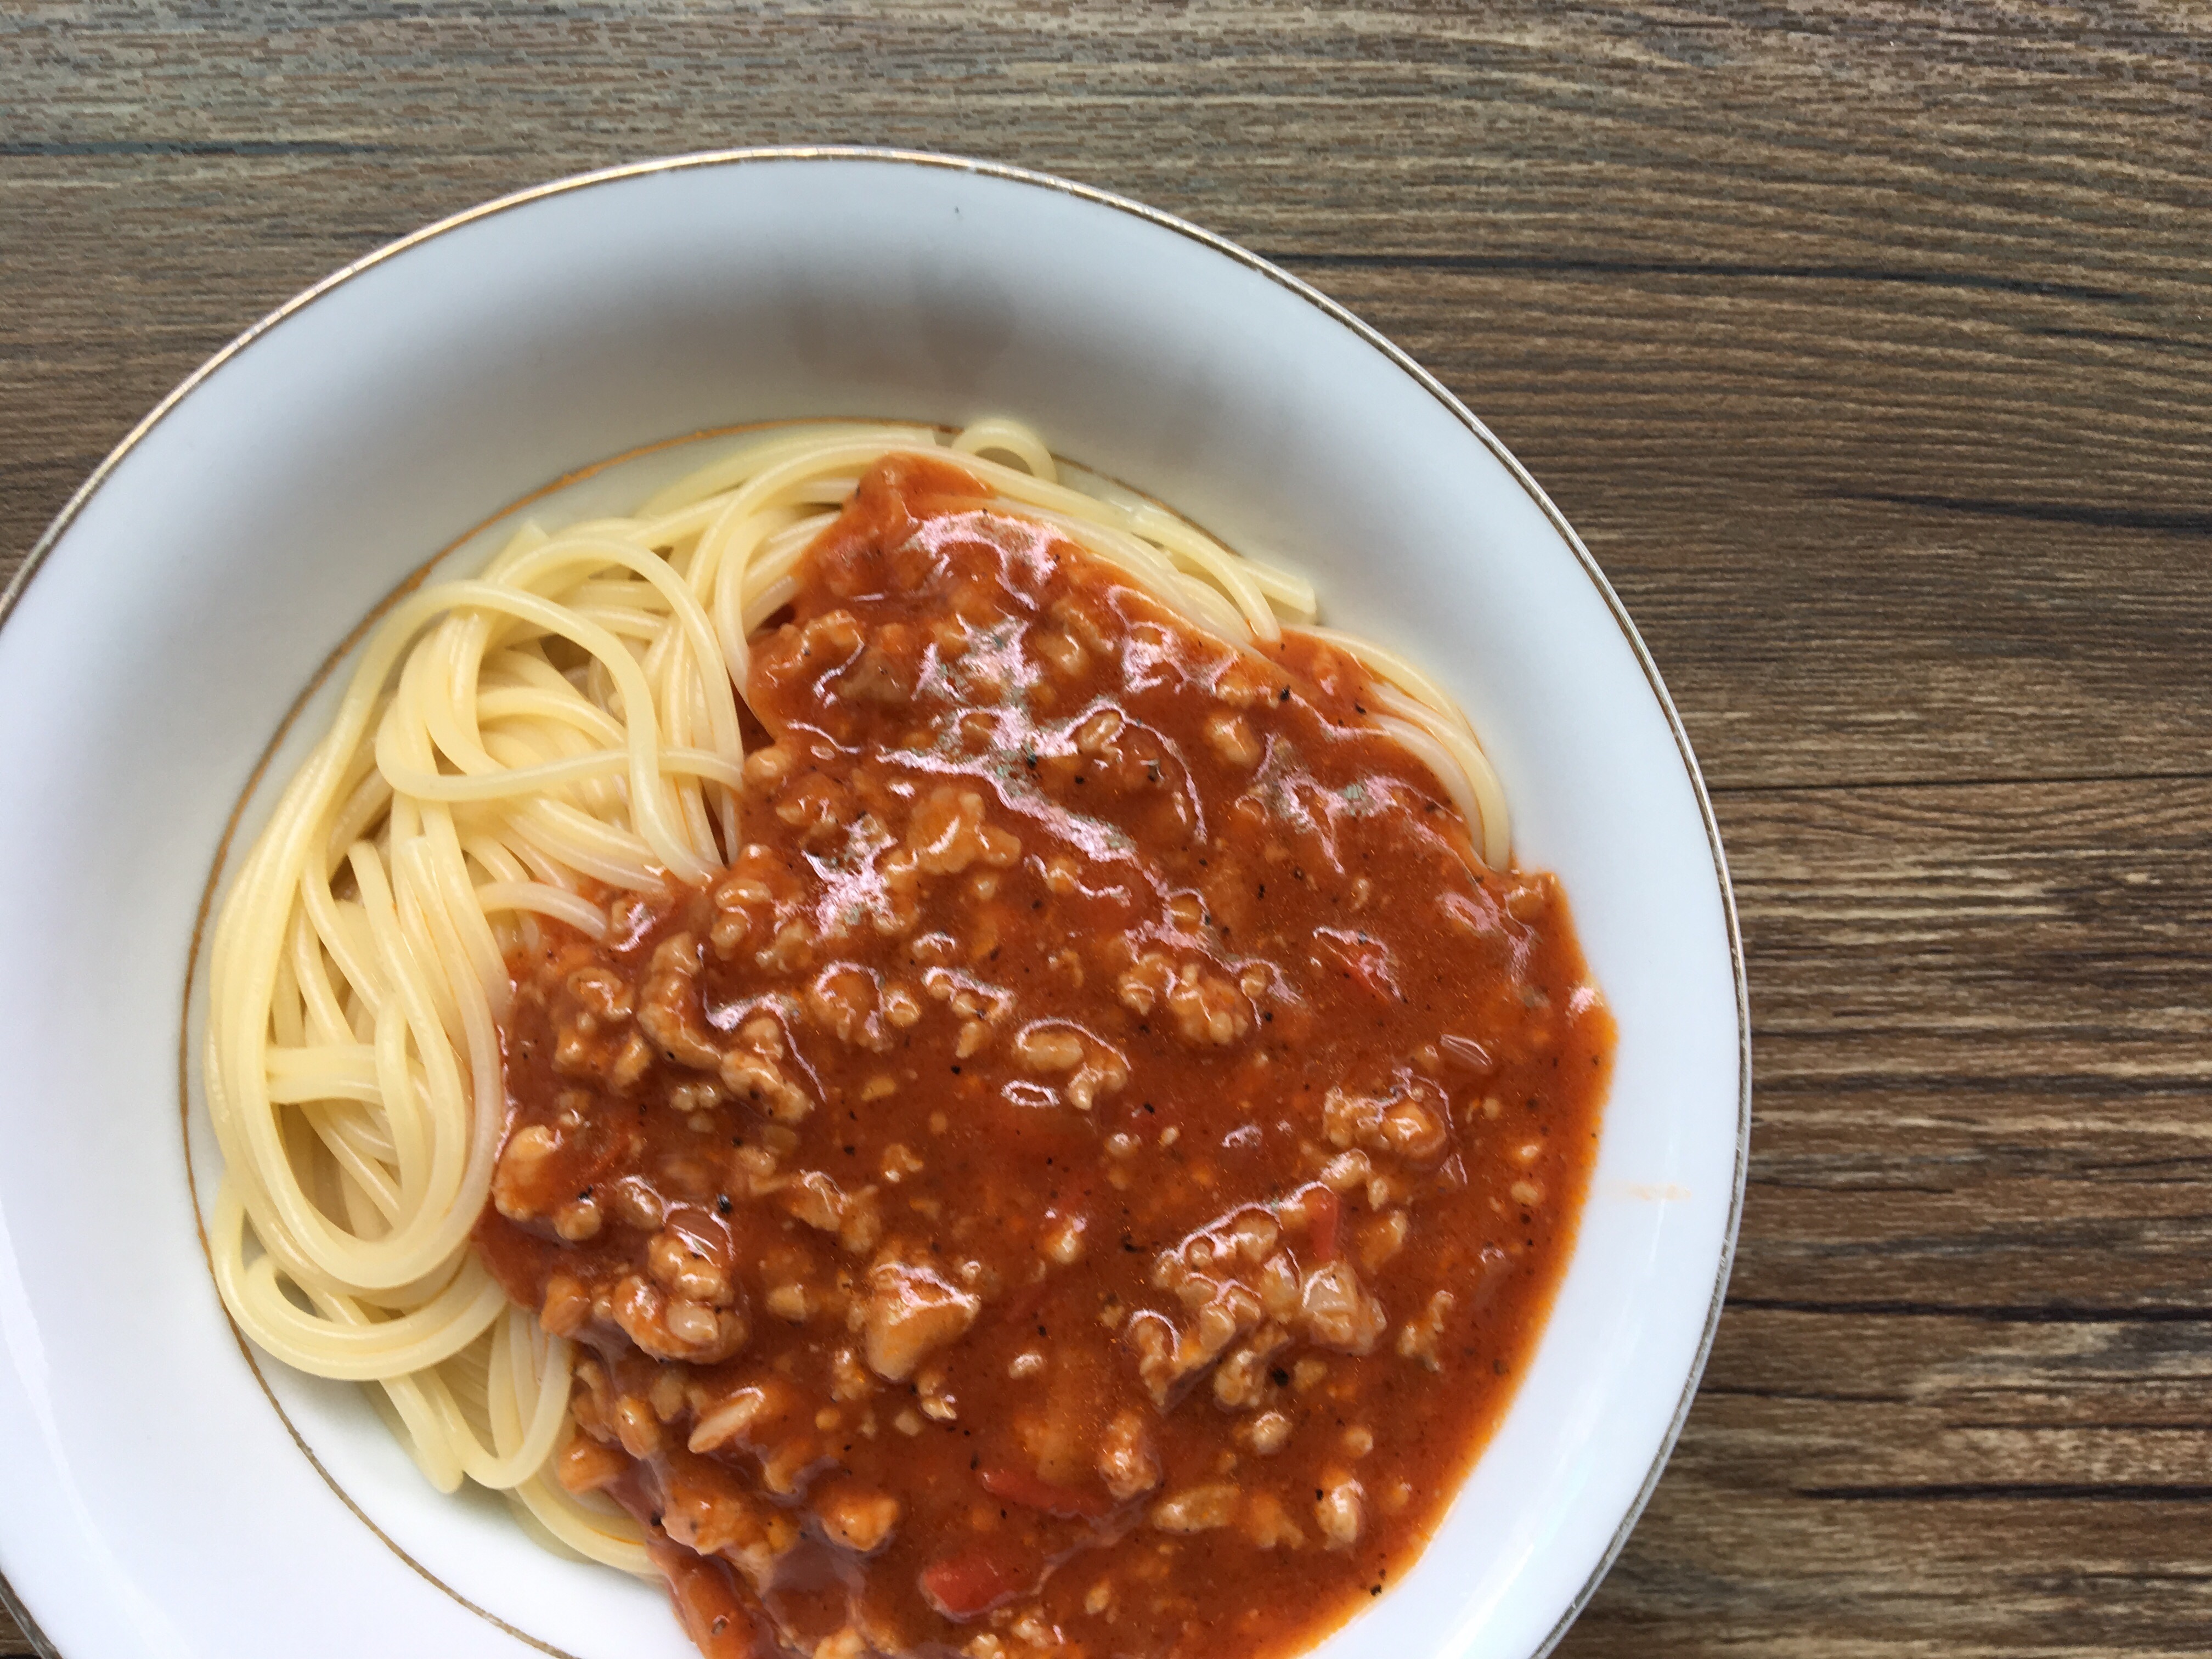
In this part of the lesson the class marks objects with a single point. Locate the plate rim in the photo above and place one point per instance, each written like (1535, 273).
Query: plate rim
(42, 549)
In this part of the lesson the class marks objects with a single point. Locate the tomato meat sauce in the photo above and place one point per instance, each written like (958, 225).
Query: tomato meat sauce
(1088, 1177)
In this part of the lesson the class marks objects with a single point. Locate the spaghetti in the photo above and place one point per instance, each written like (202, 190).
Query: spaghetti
(514, 748)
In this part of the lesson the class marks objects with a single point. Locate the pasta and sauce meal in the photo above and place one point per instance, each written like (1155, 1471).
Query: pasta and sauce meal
(911, 1050)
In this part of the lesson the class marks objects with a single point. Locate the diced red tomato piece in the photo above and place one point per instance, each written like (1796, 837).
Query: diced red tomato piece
(1325, 1213)
(1366, 962)
(1034, 1492)
(964, 1586)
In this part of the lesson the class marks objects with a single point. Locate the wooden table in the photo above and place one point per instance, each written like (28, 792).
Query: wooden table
(1869, 348)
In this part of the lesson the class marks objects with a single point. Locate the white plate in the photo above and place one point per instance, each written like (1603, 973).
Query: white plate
(169, 1493)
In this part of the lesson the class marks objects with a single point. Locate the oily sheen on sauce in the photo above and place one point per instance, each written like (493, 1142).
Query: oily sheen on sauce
(1088, 1177)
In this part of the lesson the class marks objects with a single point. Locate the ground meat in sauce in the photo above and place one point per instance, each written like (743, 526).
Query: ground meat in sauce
(1087, 1178)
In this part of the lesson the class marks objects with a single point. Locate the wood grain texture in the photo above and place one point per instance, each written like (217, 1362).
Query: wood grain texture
(1868, 347)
